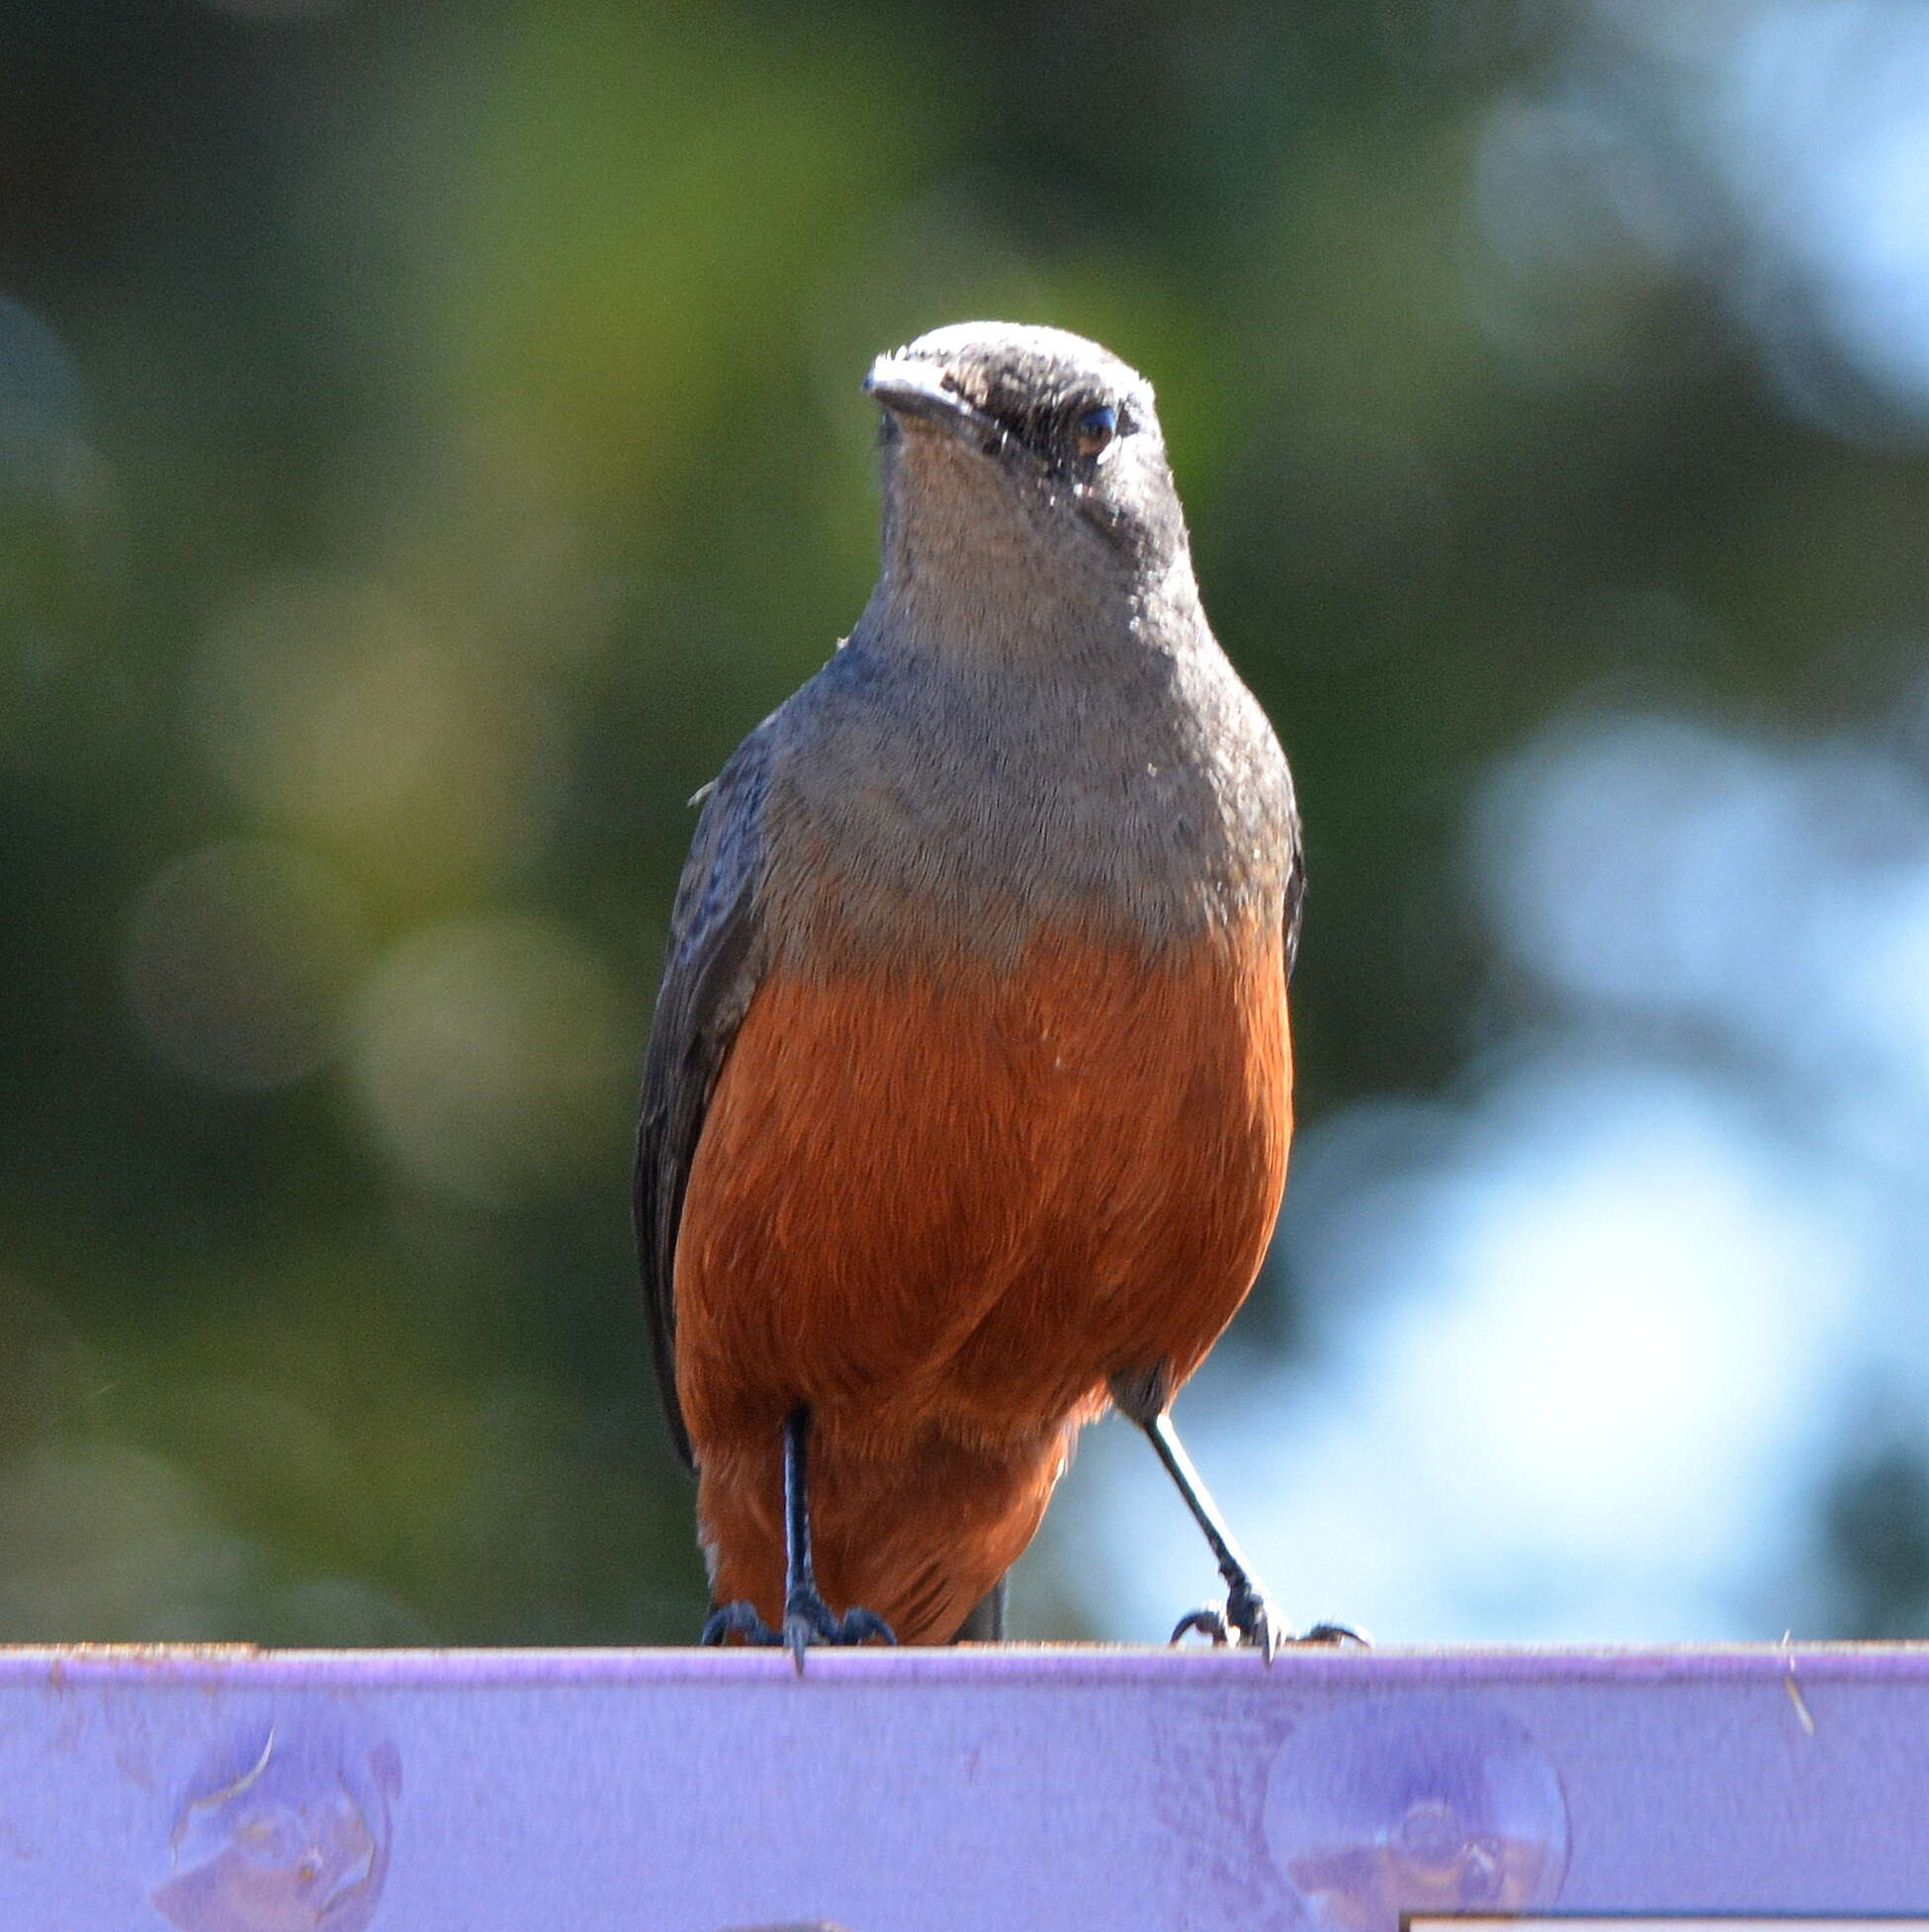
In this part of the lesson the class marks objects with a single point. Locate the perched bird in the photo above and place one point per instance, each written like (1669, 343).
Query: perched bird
(966, 1105)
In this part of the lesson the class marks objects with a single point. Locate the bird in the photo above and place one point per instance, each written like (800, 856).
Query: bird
(968, 1092)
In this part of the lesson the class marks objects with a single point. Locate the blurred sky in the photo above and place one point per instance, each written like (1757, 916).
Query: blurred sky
(430, 437)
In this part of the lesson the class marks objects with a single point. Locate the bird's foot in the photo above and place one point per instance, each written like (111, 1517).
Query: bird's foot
(808, 1620)
(1246, 1619)
(1257, 1623)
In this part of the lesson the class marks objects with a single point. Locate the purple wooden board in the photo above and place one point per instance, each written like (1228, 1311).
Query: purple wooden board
(942, 1791)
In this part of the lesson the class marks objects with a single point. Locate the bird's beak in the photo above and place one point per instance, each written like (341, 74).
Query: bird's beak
(917, 389)
(914, 392)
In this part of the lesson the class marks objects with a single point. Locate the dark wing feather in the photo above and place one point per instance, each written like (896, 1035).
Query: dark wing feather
(1295, 886)
(710, 971)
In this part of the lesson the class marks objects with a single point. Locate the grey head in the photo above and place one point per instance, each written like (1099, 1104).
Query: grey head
(1024, 456)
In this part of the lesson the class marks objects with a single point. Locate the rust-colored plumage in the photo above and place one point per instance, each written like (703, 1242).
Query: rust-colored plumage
(943, 1214)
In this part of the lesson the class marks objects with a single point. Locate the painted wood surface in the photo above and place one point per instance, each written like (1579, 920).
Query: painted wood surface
(235, 1790)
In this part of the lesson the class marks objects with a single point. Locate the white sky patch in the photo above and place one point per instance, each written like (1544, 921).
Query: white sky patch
(1665, 869)
(1631, 1316)
(1821, 119)
(1779, 149)
(1882, 972)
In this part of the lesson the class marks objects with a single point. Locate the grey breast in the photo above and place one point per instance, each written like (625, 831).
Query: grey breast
(961, 805)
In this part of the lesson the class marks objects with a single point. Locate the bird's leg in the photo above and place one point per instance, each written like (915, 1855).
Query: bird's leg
(808, 1618)
(1247, 1609)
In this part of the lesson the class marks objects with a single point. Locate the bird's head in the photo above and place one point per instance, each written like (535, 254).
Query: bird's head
(1027, 450)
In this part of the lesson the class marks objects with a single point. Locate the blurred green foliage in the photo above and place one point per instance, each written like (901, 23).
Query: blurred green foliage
(430, 436)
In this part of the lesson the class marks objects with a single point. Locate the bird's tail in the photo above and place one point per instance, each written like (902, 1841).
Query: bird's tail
(986, 1624)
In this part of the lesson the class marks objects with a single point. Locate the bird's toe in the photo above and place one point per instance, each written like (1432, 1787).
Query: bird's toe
(738, 1620)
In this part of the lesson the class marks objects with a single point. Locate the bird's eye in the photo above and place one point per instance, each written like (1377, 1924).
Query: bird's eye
(1095, 429)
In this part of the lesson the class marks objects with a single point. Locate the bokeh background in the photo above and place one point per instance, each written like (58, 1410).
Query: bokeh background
(430, 436)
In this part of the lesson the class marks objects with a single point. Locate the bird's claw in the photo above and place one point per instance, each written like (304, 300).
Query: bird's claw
(1257, 1623)
(808, 1620)
(1339, 1635)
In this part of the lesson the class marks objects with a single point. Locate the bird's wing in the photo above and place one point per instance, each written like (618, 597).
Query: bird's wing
(710, 971)
(1295, 886)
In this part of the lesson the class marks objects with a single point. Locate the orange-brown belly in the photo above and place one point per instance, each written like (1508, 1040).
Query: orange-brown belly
(942, 1213)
